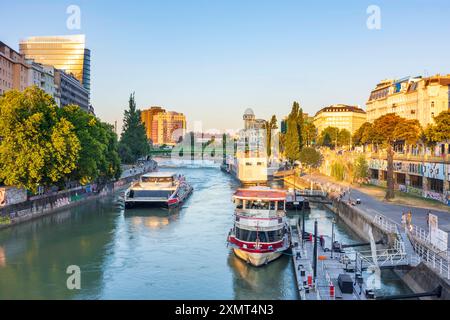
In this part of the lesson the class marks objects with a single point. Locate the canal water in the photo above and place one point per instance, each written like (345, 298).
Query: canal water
(150, 253)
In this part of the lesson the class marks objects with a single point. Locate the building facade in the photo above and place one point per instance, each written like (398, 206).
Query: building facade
(413, 98)
(340, 116)
(43, 77)
(421, 171)
(68, 53)
(14, 71)
(163, 127)
(70, 91)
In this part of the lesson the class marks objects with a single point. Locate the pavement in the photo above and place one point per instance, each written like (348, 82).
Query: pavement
(373, 206)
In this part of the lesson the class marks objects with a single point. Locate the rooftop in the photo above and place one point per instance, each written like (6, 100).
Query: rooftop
(159, 174)
(261, 194)
(341, 108)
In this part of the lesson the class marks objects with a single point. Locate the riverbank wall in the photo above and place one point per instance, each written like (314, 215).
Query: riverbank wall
(45, 205)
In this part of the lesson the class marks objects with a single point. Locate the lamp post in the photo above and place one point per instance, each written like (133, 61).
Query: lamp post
(333, 222)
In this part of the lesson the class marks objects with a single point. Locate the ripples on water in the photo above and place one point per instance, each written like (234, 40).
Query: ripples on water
(146, 253)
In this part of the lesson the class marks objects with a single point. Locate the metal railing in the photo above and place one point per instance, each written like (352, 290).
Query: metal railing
(385, 223)
(440, 262)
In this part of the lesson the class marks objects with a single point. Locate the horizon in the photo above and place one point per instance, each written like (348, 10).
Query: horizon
(211, 61)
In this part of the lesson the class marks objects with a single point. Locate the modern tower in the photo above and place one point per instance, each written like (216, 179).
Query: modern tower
(68, 53)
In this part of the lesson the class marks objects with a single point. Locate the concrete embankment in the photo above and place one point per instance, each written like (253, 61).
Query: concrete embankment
(424, 279)
(46, 205)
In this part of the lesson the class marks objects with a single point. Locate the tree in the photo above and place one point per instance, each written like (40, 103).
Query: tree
(390, 129)
(361, 171)
(133, 141)
(37, 148)
(310, 157)
(270, 126)
(440, 131)
(98, 157)
(344, 137)
(329, 137)
(364, 135)
(309, 133)
(293, 134)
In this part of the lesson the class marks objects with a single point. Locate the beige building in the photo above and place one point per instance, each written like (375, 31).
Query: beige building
(14, 70)
(340, 116)
(411, 98)
(163, 127)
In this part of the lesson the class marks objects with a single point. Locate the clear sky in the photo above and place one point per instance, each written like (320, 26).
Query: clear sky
(212, 59)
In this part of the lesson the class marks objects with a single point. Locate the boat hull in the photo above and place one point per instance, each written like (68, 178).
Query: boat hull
(257, 259)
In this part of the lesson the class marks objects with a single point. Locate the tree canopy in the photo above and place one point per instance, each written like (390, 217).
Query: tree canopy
(43, 145)
(310, 157)
(293, 138)
(389, 129)
(133, 141)
(440, 130)
(36, 146)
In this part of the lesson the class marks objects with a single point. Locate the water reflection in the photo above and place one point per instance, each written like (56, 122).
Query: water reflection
(154, 218)
(267, 282)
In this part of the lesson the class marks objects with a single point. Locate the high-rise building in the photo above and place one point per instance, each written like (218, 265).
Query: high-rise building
(68, 53)
(340, 116)
(70, 91)
(411, 98)
(163, 127)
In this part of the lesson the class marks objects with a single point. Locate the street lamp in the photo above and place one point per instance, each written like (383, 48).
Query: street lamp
(333, 222)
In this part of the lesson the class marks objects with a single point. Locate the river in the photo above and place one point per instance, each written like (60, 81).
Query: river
(150, 253)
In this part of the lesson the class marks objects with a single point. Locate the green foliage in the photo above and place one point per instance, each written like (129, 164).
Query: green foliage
(338, 170)
(329, 137)
(310, 157)
(364, 135)
(270, 126)
(133, 141)
(43, 145)
(4, 220)
(309, 133)
(361, 171)
(440, 130)
(37, 147)
(333, 137)
(98, 156)
(293, 138)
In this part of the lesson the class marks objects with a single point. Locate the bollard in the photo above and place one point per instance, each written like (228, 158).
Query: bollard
(310, 237)
(331, 291)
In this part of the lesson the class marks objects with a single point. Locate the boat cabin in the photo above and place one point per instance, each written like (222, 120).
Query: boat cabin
(259, 200)
(160, 178)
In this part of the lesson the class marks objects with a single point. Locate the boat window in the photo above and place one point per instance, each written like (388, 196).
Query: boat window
(151, 194)
(257, 205)
(272, 205)
(157, 179)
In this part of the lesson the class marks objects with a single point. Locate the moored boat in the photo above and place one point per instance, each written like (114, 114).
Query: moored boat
(163, 189)
(260, 233)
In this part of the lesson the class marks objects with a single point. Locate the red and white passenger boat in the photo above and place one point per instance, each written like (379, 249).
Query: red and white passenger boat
(260, 233)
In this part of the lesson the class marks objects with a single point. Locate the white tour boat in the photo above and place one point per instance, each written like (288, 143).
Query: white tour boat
(260, 233)
(166, 189)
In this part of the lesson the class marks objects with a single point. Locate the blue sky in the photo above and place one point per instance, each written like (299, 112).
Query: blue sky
(212, 59)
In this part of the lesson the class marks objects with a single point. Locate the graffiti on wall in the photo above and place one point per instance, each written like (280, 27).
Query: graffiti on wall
(434, 170)
(434, 195)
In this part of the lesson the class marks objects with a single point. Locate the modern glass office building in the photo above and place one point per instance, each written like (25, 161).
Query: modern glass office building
(68, 53)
